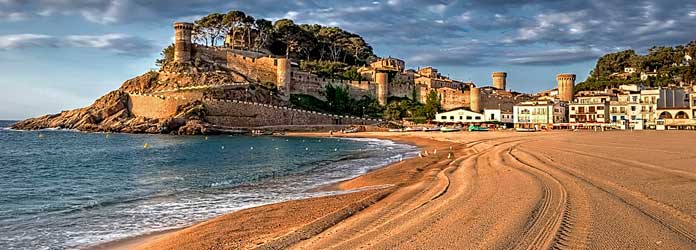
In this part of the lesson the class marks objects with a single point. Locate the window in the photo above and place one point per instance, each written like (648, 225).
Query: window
(623, 110)
(443, 117)
(592, 109)
(451, 117)
(492, 116)
(468, 117)
(478, 118)
(633, 108)
(572, 108)
(460, 118)
(600, 107)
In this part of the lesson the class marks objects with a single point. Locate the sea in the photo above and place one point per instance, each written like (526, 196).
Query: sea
(62, 189)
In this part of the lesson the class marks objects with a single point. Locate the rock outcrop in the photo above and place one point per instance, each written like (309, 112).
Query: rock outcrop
(112, 112)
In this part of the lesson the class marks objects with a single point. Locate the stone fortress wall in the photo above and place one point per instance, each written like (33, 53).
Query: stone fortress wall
(453, 98)
(256, 67)
(234, 113)
(155, 106)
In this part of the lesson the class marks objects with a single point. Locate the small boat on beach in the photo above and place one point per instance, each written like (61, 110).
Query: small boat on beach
(350, 130)
(445, 130)
(432, 129)
(525, 130)
(412, 129)
(473, 128)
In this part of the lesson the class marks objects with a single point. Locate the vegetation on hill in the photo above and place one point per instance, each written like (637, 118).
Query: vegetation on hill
(310, 42)
(668, 63)
(332, 69)
(397, 108)
(338, 102)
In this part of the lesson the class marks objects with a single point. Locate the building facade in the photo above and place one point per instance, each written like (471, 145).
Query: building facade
(590, 109)
(540, 114)
(459, 116)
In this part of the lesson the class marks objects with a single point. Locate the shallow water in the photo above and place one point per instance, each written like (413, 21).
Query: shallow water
(68, 190)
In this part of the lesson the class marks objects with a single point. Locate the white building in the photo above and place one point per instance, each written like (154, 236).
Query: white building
(507, 117)
(459, 116)
(492, 115)
(630, 70)
(592, 108)
(539, 114)
(645, 75)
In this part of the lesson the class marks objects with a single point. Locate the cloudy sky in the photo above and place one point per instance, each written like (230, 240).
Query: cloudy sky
(62, 54)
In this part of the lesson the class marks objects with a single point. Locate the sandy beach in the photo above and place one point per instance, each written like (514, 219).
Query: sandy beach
(490, 190)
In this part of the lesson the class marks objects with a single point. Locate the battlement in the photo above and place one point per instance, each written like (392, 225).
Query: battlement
(565, 76)
(499, 74)
(183, 25)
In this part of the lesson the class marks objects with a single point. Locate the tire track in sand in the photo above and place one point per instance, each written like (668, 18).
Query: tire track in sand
(666, 215)
(575, 222)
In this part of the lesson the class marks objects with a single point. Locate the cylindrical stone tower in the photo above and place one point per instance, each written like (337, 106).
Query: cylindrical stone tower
(382, 81)
(499, 80)
(475, 99)
(182, 41)
(566, 82)
(283, 75)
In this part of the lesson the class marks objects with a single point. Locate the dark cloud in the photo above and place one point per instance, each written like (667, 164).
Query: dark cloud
(117, 43)
(19, 41)
(537, 32)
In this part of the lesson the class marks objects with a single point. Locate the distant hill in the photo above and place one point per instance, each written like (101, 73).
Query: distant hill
(662, 66)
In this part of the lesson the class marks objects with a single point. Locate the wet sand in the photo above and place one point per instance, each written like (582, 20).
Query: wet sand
(496, 190)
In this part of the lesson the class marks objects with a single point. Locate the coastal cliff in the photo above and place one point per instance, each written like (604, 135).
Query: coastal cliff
(117, 111)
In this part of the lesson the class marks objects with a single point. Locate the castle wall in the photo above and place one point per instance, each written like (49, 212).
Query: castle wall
(232, 113)
(499, 80)
(453, 98)
(491, 101)
(154, 106)
(260, 69)
(475, 99)
(310, 84)
(182, 41)
(382, 92)
(246, 114)
(401, 90)
(566, 82)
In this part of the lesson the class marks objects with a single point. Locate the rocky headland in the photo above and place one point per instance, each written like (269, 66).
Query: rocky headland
(113, 112)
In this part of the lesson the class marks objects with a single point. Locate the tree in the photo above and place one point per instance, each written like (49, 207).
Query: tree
(233, 21)
(211, 25)
(289, 32)
(248, 24)
(333, 38)
(338, 99)
(304, 41)
(393, 112)
(167, 56)
(432, 104)
(264, 28)
(199, 35)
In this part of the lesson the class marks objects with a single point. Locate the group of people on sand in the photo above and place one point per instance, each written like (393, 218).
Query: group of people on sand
(450, 154)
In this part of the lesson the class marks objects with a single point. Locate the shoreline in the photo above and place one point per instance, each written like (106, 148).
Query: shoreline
(370, 190)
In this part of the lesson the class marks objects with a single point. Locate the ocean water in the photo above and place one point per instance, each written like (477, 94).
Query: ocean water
(70, 190)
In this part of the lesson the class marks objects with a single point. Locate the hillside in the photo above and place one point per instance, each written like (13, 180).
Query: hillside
(661, 66)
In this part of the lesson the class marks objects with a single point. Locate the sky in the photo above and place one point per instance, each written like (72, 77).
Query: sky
(60, 54)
